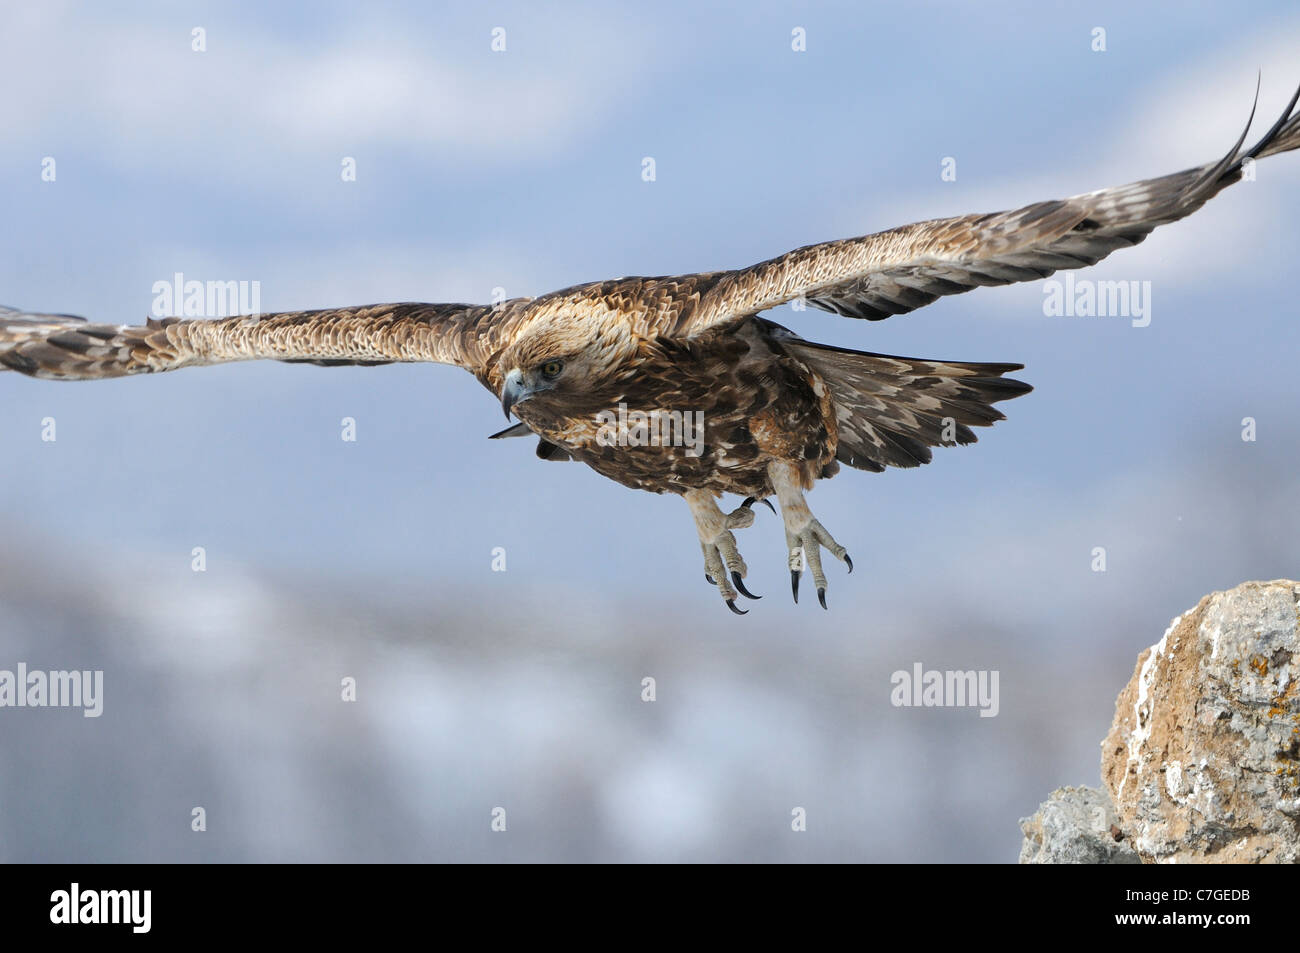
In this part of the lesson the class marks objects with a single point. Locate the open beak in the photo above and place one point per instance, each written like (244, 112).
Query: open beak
(513, 390)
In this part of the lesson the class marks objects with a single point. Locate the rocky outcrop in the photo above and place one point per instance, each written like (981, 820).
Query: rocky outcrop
(1075, 826)
(1202, 762)
(1203, 759)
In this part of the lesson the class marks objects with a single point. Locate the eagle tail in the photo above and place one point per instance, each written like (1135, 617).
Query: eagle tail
(891, 410)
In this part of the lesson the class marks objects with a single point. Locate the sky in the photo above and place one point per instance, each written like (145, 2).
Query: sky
(521, 169)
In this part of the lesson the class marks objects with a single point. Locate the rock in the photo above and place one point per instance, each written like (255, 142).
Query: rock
(1075, 826)
(1203, 759)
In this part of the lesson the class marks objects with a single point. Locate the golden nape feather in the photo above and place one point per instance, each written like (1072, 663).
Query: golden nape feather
(674, 384)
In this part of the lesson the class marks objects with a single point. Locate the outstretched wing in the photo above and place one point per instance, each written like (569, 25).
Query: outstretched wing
(902, 269)
(64, 347)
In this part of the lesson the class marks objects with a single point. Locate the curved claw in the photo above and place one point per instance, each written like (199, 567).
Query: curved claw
(749, 501)
(794, 584)
(731, 604)
(710, 580)
(740, 584)
(821, 597)
(848, 562)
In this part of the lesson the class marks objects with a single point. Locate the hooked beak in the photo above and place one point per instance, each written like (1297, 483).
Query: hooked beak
(513, 390)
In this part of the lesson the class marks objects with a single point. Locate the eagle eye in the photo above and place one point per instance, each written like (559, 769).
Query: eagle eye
(551, 369)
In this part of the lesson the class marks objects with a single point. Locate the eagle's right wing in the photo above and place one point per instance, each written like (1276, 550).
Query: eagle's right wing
(64, 347)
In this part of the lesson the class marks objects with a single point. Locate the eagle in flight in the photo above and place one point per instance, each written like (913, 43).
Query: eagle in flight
(777, 412)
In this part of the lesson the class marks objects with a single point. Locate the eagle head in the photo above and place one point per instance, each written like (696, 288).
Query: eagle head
(561, 366)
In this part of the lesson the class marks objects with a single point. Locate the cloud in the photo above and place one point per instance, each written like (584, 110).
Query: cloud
(1186, 118)
(136, 89)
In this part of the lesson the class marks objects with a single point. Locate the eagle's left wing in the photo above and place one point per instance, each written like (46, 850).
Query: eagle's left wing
(902, 269)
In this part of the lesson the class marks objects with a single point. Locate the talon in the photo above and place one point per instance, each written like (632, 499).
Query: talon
(750, 500)
(718, 546)
(740, 584)
(805, 538)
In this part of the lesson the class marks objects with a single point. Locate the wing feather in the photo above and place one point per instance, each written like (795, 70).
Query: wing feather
(902, 269)
(66, 347)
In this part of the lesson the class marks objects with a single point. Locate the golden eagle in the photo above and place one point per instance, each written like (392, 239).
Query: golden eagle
(675, 384)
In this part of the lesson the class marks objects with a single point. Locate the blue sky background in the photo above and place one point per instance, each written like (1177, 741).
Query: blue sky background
(522, 170)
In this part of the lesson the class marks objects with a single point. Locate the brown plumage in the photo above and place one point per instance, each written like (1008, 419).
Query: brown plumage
(777, 412)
